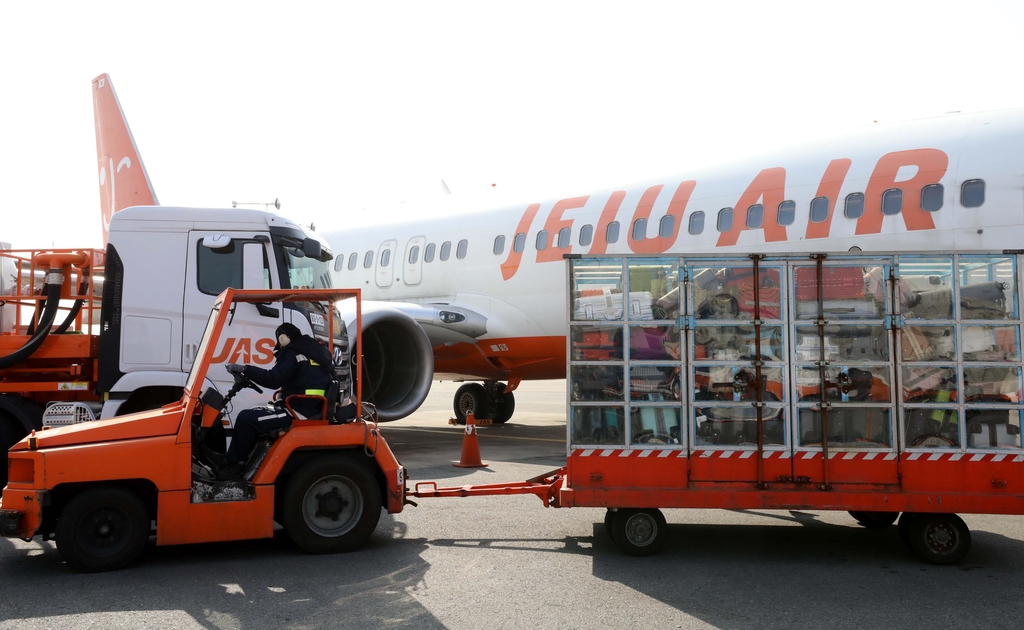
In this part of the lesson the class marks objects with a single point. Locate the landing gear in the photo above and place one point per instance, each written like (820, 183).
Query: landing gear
(487, 401)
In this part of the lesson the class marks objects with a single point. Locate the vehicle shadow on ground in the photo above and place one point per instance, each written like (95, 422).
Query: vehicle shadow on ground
(813, 575)
(252, 584)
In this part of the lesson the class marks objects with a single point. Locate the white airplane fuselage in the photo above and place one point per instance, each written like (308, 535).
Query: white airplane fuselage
(512, 304)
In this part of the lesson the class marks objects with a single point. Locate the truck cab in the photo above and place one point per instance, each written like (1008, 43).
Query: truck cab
(166, 265)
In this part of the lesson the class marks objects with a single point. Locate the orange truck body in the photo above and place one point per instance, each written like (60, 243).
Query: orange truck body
(151, 453)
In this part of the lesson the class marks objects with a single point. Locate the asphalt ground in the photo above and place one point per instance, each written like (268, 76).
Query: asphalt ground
(507, 562)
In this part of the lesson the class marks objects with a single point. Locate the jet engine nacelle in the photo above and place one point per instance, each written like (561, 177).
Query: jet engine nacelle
(397, 359)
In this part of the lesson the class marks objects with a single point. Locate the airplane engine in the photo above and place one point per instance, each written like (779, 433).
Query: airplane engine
(398, 361)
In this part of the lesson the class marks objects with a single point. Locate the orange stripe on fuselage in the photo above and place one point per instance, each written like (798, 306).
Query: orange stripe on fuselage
(511, 264)
(931, 167)
(831, 184)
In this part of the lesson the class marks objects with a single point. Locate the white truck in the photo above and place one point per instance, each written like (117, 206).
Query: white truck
(163, 268)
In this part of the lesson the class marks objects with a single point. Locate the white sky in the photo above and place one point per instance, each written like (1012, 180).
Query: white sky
(338, 108)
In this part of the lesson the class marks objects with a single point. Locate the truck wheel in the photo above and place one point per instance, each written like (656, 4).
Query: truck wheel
(875, 520)
(639, 532)
(331, 504)
(102, 529)
(904, 527)
(939, 538)
(470, 397)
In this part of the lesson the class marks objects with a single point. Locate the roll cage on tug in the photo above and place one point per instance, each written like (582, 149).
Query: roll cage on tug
(885, 385)
(99, 487)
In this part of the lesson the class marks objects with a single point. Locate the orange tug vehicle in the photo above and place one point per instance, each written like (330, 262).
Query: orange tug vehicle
(101, 488)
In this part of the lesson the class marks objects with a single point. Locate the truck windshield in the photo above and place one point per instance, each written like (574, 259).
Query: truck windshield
(308, 273)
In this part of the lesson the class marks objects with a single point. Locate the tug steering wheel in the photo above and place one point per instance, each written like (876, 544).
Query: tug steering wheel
(242, 382)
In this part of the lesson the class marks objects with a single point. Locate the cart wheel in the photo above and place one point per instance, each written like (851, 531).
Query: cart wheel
(609, 517)
(102, 529)
(639, 532)
(939, 538)
(331, 504)
(875, 520)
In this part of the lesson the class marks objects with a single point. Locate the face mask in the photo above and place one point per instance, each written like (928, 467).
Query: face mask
(283, 340)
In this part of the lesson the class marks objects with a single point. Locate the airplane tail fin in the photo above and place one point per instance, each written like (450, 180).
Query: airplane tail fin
(124, 181)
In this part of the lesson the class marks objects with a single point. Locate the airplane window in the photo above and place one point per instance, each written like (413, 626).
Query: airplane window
(612, 233)
(892, 201)
(667, 226)
(563, 238)
(755, 216)
(446, 250)
(819, 209)
(352, 260)
(414, 254)
(787, 213)
(499, 244)
(428, 253)
(339, 262)
(854, 208)
(639, 229)
(542, 240)
(696, 223)
(972, 193)
(368, 260)
(725, 219)
(460, 249)
(519, 244)
(586, 234)
(931, 197)
(385, 258)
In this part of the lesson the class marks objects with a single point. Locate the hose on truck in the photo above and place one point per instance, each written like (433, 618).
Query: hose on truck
(54, 281)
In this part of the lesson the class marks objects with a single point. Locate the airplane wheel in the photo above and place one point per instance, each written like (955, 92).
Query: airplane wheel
(639, 532)
(875, 520)
(505, 407)
(470, 397)
(939, 538)
(331, 504)
(102, 529)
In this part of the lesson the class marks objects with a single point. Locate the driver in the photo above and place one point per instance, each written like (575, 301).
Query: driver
(303, 366)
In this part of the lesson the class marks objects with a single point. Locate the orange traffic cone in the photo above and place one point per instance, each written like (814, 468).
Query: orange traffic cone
(470, 446)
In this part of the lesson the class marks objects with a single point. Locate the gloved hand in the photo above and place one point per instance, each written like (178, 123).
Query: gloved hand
(234, 368)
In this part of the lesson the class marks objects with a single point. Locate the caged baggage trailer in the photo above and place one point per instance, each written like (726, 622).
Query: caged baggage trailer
(843, 382)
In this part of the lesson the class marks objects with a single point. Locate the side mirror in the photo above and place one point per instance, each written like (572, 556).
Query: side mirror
(252, 266)
(311, 248)
(216, 241)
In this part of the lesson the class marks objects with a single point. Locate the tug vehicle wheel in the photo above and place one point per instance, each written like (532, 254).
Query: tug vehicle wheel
(939, 538)
(331, 504)
(875, 520)
(609, 516)
(639, 532)
(102, 529)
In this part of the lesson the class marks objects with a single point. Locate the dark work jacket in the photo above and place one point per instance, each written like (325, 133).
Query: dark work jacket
(304, 364)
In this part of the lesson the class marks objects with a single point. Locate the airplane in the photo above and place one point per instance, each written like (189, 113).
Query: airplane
(488, 288)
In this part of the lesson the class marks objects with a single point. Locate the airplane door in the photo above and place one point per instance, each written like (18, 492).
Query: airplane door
(414, 261)
(386, 262)
(210, 270)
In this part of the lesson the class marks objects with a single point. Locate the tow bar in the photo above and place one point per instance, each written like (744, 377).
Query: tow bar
(545, 487)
